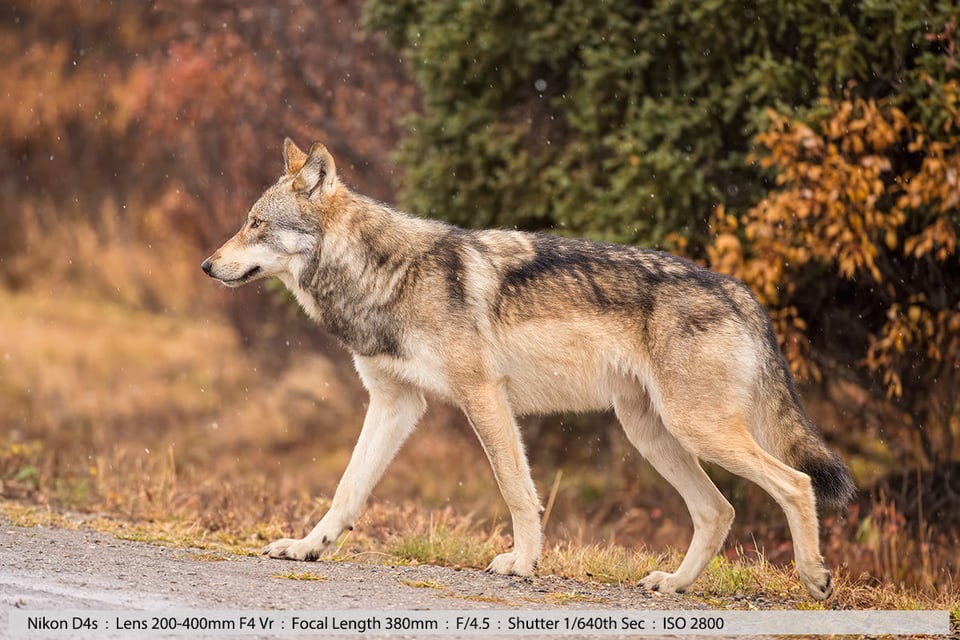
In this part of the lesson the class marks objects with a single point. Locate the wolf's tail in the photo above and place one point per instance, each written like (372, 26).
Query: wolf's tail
(791, 436)
(830, 477)
(800, 445)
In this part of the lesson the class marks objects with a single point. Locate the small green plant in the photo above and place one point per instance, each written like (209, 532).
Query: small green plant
(724, 576)
(441, 544)
(19, 466)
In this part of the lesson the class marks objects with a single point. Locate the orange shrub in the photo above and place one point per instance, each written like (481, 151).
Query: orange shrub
(860, 233)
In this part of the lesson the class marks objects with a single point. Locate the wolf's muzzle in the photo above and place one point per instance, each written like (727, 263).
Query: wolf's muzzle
(207, 267)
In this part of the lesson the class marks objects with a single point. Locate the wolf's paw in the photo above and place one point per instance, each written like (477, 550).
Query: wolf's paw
(512, 564)
(291, 549)
(819, 583)
(663, 582)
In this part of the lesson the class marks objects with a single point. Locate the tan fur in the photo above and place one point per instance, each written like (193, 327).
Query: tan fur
(503, 323)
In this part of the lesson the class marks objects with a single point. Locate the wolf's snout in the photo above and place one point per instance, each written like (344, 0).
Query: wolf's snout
(207, 266)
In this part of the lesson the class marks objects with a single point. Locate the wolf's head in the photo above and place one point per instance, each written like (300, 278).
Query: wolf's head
(282, 230)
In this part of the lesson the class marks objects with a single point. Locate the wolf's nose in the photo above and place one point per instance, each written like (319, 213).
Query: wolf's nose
(207, 266)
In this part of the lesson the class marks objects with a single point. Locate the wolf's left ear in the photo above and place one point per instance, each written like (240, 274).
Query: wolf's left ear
(293, 157)
(318, 176)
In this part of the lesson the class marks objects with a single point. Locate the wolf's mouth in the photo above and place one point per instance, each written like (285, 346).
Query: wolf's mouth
(245, 277)
(249, 274)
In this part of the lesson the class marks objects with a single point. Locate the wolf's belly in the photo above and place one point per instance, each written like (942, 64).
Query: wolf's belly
(560, 368)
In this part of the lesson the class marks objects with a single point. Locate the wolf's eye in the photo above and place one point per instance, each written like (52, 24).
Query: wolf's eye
(255, 223)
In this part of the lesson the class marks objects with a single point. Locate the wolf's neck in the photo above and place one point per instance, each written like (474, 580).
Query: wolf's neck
(351, 286)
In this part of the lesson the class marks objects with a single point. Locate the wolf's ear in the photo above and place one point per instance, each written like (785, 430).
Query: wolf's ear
(318, 175)
(293, 157)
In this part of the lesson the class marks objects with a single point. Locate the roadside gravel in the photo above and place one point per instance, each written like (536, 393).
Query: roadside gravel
(64, 569)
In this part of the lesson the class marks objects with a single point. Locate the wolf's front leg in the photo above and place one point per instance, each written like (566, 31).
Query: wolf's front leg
(393, 413)
(488, 410)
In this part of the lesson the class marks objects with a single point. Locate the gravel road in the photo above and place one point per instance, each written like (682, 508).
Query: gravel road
(59, 569)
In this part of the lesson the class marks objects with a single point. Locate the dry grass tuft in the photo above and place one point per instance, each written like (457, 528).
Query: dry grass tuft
(302, 576)
(421, 584)
(604, 563)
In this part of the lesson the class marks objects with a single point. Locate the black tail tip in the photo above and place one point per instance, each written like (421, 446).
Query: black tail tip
(831, 481)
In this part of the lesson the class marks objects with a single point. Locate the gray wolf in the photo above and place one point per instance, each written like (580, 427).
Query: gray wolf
(507, 323)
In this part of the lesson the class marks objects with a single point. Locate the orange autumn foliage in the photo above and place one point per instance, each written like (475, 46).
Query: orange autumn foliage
(865, 208)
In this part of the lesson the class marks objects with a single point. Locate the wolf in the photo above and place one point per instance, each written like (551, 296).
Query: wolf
(505, 323)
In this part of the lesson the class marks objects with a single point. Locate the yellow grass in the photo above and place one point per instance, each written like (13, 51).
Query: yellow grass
(301, 576)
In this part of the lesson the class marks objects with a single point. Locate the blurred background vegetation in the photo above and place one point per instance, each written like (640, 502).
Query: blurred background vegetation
(810, 148)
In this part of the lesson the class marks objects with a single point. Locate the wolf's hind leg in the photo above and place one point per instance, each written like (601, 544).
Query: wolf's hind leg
(392, 415)
(710, 511)
(728, 442)
(488, 409)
